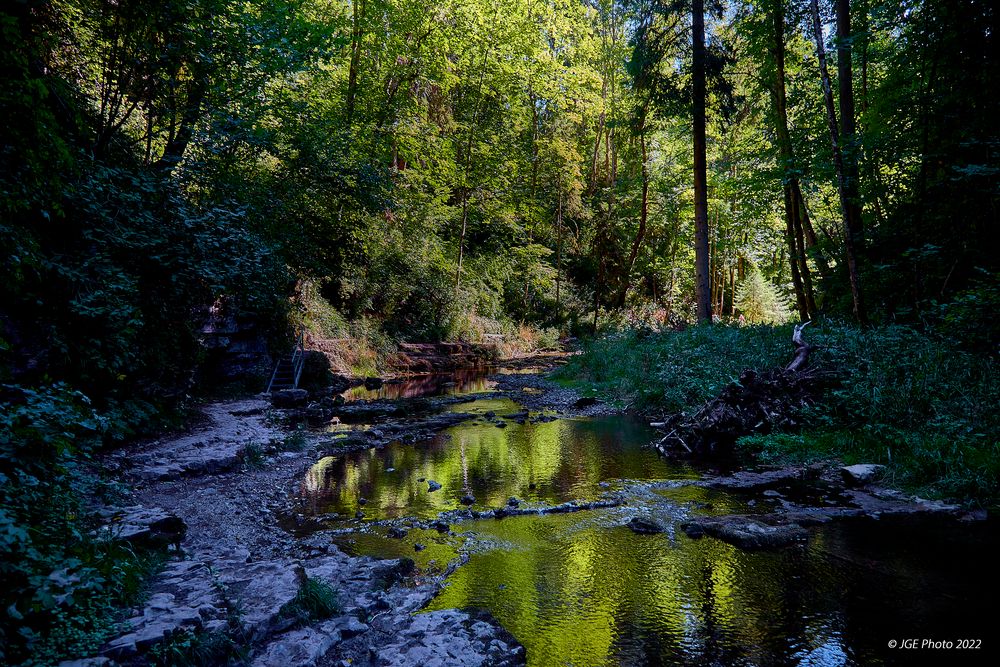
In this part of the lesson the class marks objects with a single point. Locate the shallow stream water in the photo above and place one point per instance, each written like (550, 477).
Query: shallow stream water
(582, 589)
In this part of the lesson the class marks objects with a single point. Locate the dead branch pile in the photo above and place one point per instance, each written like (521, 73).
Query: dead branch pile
(757, 403)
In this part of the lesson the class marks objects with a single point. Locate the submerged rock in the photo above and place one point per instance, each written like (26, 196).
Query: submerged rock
(644, 526)
(468, 499)
(397, 533)
(748, 532)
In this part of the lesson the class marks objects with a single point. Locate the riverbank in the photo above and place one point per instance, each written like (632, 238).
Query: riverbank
(918, 404)
(252, 490)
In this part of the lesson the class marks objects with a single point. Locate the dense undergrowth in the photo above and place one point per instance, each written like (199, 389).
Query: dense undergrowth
(917, 402)
(63, 586)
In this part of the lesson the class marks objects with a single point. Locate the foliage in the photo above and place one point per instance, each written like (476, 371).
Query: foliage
(62, 586)
(758, 302)
(909, 399)
(675, 370)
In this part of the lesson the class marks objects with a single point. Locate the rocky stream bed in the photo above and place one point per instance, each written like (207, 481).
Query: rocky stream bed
(496, 522)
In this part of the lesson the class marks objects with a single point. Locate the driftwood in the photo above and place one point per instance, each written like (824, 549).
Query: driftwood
(757, 403)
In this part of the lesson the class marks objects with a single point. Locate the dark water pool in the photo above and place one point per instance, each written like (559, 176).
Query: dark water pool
(582, 589)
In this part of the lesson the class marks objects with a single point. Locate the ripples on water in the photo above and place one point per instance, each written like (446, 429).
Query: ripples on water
(581, 589)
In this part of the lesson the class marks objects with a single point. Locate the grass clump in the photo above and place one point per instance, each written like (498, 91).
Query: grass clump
(295, 441)
(188, 648)
(316, 600)
(253, 456)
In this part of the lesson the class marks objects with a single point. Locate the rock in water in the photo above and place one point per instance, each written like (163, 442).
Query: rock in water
(468, 499)
(749, 532)
(862, 473)
(432, 486)
(644, 526)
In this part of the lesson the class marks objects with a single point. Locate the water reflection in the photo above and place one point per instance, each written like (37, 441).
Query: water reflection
(580, 590)
(552, 461)
(454, 383)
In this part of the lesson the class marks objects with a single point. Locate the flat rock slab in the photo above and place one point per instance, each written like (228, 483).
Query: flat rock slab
(748, 532)
(214, 447)
(202, 596)
(303, 647)
(149, 527)
(451, 637)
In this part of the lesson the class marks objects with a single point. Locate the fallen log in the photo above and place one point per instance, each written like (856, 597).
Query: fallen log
(756, 403)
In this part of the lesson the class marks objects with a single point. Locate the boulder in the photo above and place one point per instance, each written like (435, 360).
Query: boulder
(289, 398)
(147, 527)
(432, 486)
(861, 473)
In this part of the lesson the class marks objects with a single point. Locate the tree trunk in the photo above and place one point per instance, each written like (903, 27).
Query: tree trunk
(352, 74)
(643, 215)
(468, 162)
(855, 237)
(801, 280)
(702, 278)
(177, 144)
(559, 249)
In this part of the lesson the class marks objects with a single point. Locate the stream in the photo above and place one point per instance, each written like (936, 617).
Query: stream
(580, 588)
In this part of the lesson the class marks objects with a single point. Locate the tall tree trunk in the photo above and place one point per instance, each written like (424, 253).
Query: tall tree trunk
(559, 249)
(643, 216)
(800, 252)
(790, 186)
(352, 73)
(800, 296)
(701, 275)
(847, 208)
(178, 142)
(468, 161)
(855, 238)
(732, 287)
(592, 185)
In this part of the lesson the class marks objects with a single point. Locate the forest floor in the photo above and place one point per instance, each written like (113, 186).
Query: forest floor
(234, 480)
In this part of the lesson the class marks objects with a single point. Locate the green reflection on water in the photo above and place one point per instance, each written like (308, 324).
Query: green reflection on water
(551, 461)
(577, 591)
(581, 589)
